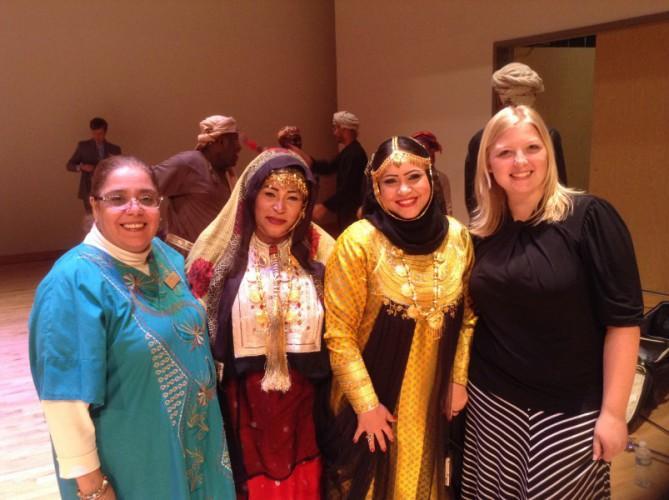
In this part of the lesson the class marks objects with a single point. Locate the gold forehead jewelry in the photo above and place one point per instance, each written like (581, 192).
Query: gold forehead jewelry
(288, 179)
(396, 158)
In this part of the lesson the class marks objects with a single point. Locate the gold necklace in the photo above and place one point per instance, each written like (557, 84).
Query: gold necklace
(434, 316)
(292, 311)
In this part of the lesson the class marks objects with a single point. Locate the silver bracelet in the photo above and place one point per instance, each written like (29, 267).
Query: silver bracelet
(97, 494)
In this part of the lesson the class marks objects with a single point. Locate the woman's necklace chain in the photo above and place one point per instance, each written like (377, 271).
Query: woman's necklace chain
(434, 316)
(279, 276)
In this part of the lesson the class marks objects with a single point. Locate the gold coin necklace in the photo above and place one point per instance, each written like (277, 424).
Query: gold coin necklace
(434, 316)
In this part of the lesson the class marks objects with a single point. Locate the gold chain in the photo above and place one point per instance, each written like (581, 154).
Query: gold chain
(257, 292)
(434, 316)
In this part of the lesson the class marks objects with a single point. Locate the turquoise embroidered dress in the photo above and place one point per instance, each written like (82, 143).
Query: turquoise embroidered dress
(135, 347)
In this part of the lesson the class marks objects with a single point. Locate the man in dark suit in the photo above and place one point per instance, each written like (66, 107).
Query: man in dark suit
(88, 154)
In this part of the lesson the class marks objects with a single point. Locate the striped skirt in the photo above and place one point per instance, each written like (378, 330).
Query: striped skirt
(517, 454)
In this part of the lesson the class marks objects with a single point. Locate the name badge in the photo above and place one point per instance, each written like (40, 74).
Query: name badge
(172, 280)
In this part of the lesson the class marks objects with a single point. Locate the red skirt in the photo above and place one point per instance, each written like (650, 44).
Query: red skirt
(277, 437)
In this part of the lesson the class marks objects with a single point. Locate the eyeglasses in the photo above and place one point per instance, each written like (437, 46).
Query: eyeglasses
(123, 201)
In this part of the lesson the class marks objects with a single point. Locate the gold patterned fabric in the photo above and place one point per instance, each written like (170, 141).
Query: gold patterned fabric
(365, 276)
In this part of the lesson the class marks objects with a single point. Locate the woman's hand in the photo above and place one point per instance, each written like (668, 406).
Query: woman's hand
(375, 424)
(458, 400)
(610, 437)
(92, 482)
(621, 346)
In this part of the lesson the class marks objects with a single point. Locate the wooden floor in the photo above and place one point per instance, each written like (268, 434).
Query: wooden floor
(26, 466)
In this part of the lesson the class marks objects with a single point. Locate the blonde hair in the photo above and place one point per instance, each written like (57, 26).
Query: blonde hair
(556, 202)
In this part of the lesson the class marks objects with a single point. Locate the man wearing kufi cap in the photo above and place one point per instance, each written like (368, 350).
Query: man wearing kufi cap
(514, 84)
(349, 165)
(198, 182)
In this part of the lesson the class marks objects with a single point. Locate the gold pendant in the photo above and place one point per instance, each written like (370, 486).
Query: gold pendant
(261, 318)
(400, 271)
(254, 295)
(294, 295)
(413, 313)
(435, 320)
(405, 290)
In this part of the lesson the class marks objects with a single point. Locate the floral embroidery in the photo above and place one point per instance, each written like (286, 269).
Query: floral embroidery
(394, 309)
(199, 421)
(135, 282)
(190, 333)
(205, 394)
(403, 311)
(199, 276)
(194, 474)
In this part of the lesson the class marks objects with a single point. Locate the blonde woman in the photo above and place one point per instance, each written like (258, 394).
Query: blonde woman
(557, 293)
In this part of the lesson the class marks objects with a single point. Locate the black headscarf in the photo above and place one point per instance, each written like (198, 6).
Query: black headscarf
(419, 236)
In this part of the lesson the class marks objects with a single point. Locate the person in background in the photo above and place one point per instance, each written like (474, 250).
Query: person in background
(259, 269)
(88, 154)
(289, 136)
(198, 183)
(558, 297)
(349, 165)
(398, 327)
(442, 184)
(119, 357)
(514, 84)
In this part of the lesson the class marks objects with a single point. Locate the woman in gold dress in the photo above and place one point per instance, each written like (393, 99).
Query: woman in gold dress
(398, 326)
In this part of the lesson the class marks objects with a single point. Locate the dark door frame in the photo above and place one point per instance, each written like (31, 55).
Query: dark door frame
(503, 49)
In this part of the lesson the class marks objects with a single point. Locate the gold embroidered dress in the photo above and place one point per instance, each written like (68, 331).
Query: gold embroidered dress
(365, 278)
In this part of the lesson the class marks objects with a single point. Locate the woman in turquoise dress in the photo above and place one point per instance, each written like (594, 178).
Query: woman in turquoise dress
(119, 357)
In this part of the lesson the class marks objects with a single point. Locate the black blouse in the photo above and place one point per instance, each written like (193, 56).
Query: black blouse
(545, 295)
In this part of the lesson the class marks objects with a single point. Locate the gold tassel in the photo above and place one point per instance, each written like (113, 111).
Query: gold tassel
(277, 377)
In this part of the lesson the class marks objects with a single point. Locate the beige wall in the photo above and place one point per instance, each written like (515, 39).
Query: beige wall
(153, 69)
(566, 105)
(630, 145)
(403, 66)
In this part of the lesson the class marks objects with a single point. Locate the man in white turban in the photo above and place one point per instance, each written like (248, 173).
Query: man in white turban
(515, 84)
(339, 210)
(197, 183)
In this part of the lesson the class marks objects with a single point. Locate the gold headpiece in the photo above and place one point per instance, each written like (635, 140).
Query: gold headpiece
(288, 178)
(396, 158)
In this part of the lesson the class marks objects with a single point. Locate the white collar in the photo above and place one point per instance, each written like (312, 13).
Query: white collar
(133, 259)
